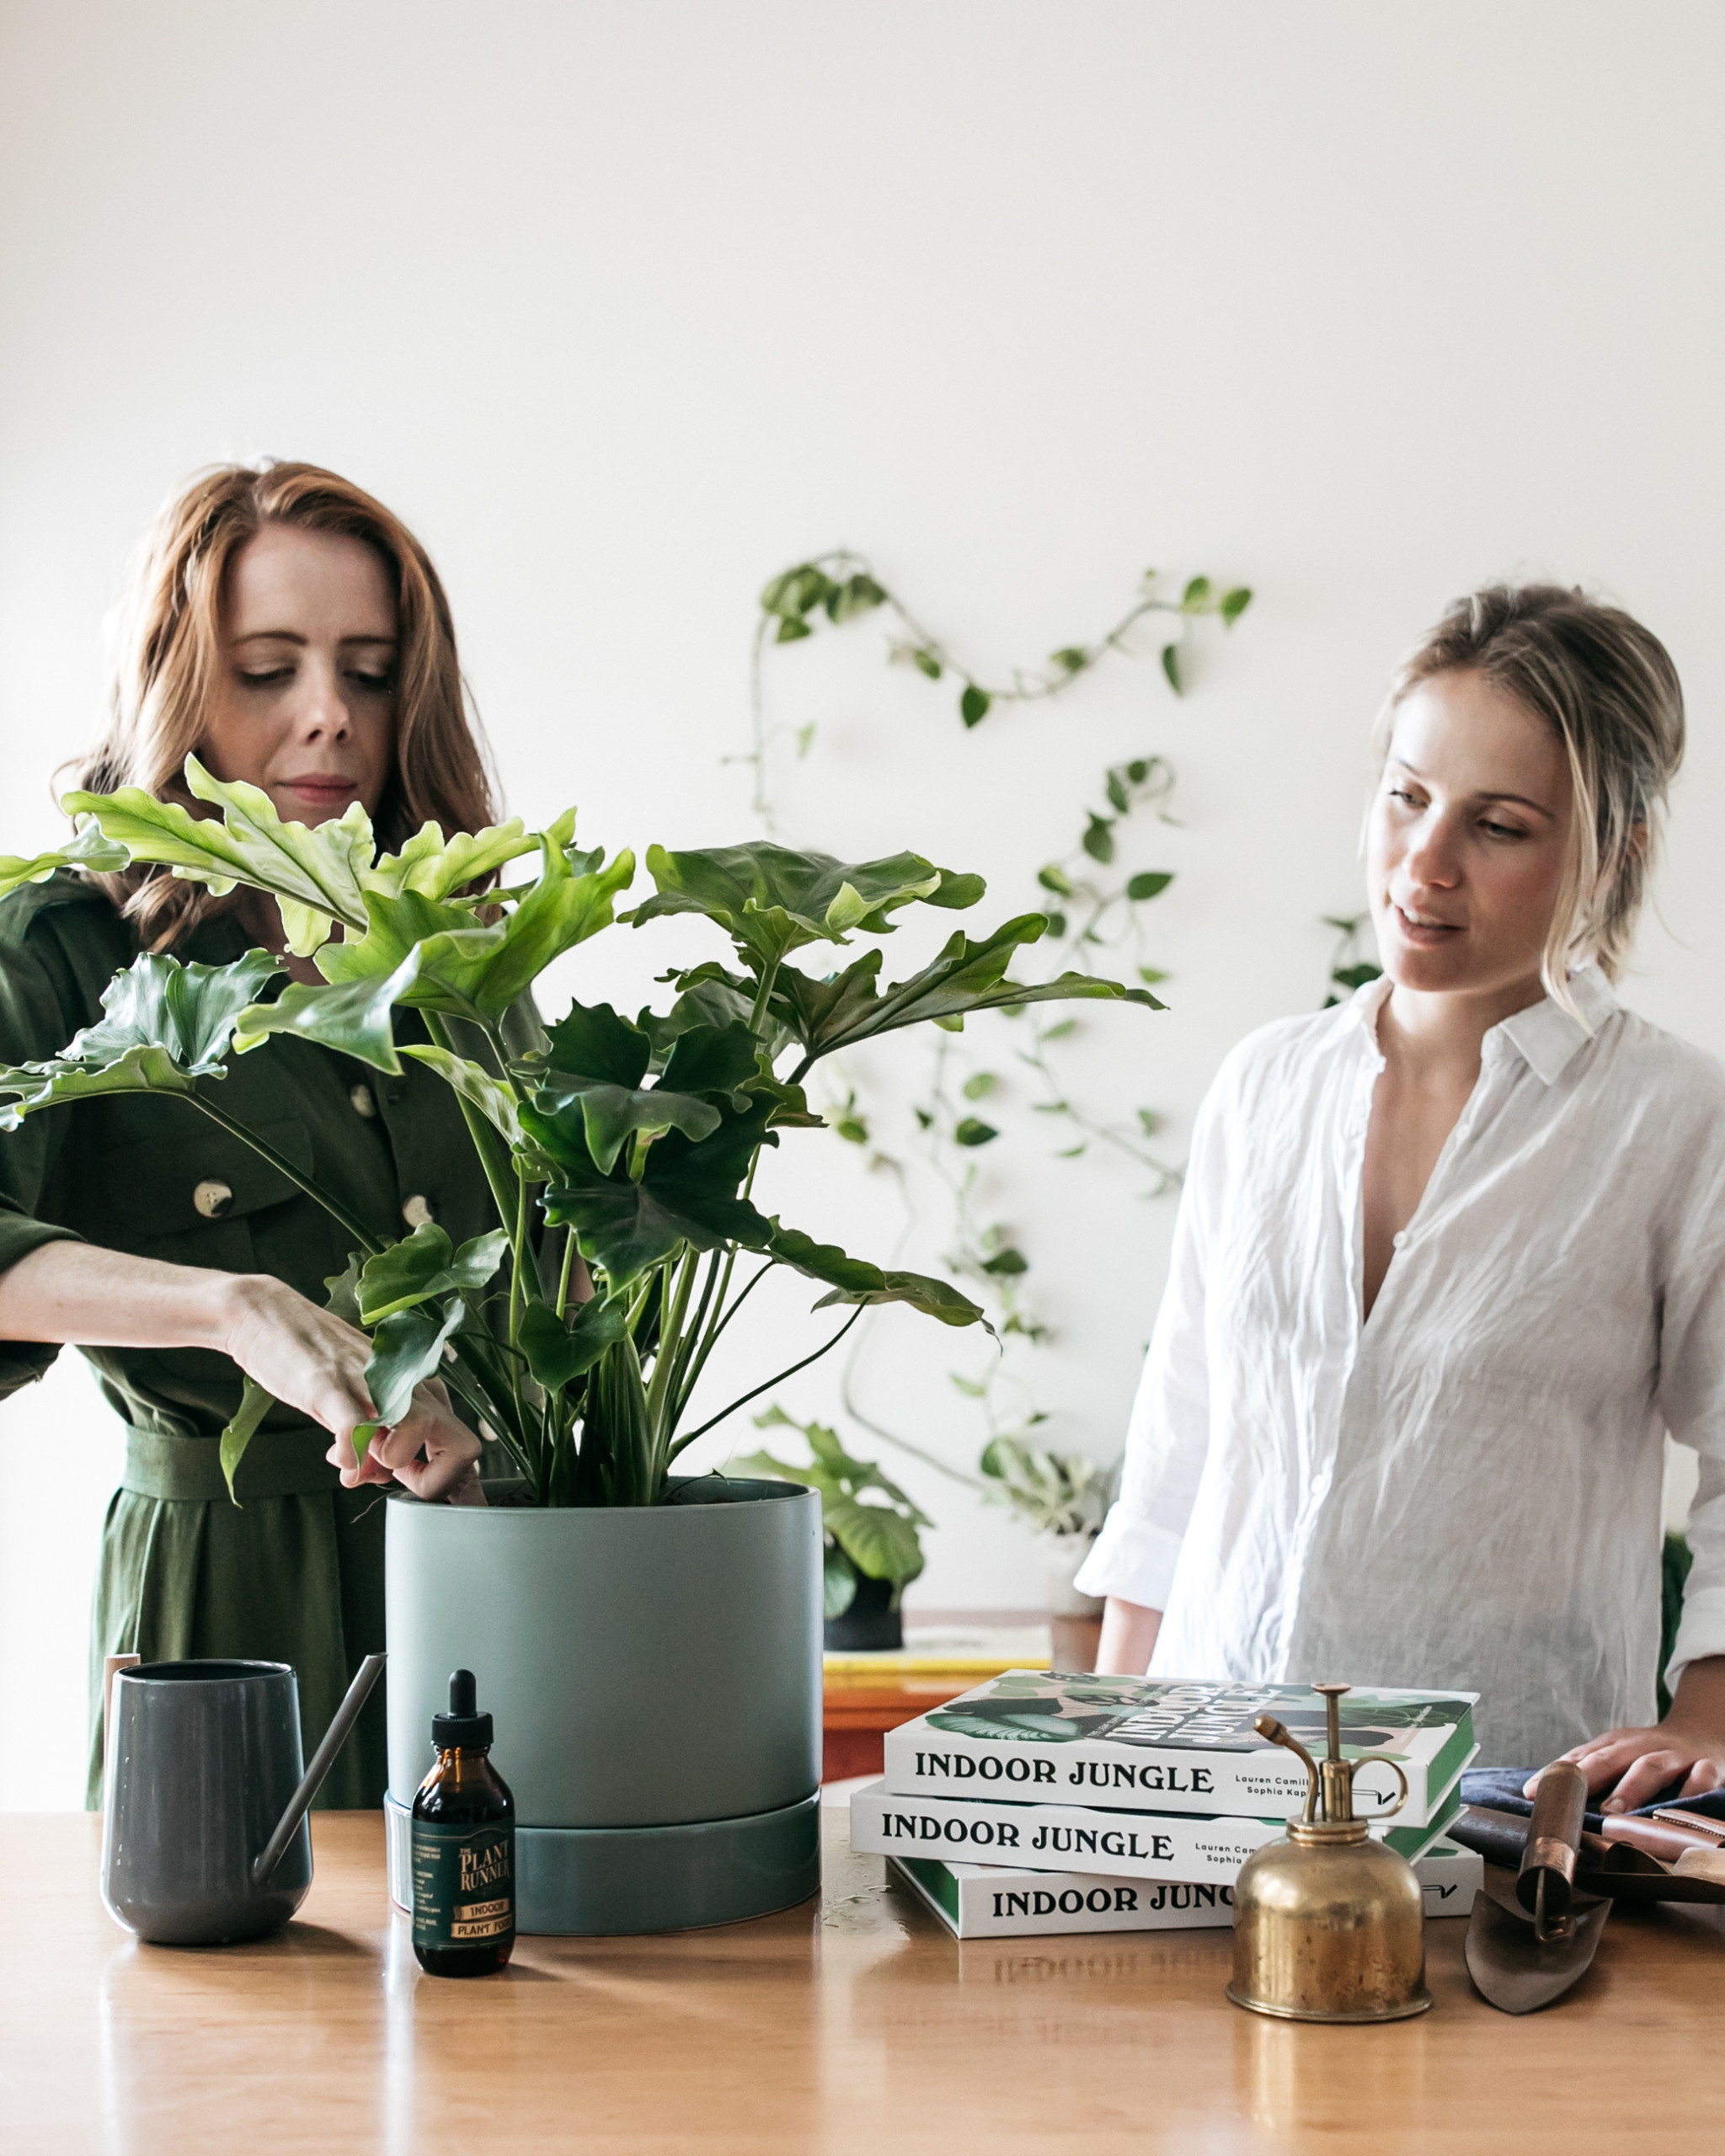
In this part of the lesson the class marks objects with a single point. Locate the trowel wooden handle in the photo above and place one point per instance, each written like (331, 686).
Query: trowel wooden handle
(1553, 1841)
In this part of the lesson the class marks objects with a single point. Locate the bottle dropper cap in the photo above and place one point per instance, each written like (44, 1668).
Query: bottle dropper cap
(464, 1728)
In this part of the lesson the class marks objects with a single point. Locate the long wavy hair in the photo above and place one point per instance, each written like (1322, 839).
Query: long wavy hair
(168, 652)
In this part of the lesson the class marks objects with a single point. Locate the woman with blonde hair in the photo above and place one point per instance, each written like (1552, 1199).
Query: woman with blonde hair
(289, 631)
(1450, 1258)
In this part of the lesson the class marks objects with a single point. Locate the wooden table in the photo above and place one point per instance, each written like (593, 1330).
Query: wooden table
(858, 2026)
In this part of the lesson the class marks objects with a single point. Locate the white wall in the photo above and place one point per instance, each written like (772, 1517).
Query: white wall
(624, 308)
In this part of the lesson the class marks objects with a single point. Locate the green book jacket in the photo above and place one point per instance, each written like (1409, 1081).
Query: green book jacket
(294, 1572)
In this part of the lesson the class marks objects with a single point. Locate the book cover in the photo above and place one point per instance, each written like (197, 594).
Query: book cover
(987, 1901)
(1128, 1742)
(1196, 1850)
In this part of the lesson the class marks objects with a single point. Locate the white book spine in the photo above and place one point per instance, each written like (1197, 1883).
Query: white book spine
(1269, 1783)
(996, 1903)
(1049, 1837)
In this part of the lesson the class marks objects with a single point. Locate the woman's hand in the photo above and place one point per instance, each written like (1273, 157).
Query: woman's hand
(450, 1465)
(311, 1359)
(1636, 1764)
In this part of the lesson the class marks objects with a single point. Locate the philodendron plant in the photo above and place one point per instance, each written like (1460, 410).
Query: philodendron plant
(633, 1141)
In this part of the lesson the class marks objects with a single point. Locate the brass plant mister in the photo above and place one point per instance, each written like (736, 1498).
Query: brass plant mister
(1329, 1926)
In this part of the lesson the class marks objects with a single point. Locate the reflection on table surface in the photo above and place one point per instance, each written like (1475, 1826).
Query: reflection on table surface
(855, 2025)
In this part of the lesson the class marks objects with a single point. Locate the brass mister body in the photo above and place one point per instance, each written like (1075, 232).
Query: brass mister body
(1329, 1926)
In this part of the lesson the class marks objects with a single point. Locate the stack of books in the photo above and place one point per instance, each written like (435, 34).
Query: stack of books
(1038, 1789)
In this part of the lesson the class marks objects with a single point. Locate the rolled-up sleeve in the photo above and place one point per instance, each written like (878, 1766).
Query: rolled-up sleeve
(1692, 1395)
(1168, 1436)
(40, 1008)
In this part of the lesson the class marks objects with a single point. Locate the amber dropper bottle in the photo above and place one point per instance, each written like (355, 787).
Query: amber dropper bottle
(463, 1847)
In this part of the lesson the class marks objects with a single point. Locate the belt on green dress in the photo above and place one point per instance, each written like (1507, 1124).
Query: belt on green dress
(277, 1464)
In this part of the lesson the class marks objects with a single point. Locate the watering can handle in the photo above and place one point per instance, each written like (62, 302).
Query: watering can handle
(322, 1760)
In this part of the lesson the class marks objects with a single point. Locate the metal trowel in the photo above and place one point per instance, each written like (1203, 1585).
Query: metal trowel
(1524, 1957)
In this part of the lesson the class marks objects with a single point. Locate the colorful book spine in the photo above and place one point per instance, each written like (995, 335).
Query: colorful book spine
(1169, 1845)
(1129, 1744)
(977, 1901)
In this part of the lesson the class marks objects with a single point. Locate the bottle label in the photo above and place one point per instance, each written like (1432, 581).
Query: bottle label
(464, 1883)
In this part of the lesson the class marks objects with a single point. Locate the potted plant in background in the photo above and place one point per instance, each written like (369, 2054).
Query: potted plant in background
(873, 1549)
(1064, 1497)
(651, 1642)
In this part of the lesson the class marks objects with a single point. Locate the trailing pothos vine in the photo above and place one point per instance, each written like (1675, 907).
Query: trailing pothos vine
(1092, 902)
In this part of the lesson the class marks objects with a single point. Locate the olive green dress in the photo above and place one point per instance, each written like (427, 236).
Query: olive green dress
(295, 1572)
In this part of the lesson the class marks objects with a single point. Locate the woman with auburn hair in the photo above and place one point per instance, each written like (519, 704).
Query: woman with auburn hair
(291, 632)
(1450, 1258)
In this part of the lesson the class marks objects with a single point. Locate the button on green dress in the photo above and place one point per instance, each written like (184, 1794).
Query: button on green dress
(295, 1572)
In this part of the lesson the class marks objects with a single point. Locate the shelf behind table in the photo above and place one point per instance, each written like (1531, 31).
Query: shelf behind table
(848, 2026)
(944, 1654)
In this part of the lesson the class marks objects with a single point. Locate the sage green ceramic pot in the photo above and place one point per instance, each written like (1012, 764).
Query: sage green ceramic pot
(654, 1675)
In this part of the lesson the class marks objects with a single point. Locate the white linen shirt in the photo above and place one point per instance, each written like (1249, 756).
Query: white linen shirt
(1464, 1491)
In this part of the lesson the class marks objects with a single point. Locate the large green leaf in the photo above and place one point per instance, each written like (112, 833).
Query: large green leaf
(316, 874)
(405, 1349)
(254, 1403)
(164, 1026)
(470, 970)
(495, 1101)
(688, 1192)
(354, 1018)
(880, 1543)
(614, 1116)
(597, 1060)
(437, 867)
(770, 899)
(593, 1041)
(423, 1266)
(854, 1280)
(838, 1582)
(967, 976)
(88, 848)
(560, 1349)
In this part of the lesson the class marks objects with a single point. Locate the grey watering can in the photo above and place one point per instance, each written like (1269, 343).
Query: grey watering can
(204, 1837)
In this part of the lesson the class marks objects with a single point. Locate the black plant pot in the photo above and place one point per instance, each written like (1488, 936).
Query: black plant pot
(870, 1623)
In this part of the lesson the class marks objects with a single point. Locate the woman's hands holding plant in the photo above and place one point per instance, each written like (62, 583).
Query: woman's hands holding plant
(311, 1359)
(1636, 1764)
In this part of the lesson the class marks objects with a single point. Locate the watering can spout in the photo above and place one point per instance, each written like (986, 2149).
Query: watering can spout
(346, 1715)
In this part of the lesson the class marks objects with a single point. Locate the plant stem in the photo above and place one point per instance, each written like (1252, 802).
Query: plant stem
(517, 1286)
(568, 1264)
(779, 1379)
(722, 1318)
(486, 1144)
(661, 1392)
(763, 996)
(367, 1241)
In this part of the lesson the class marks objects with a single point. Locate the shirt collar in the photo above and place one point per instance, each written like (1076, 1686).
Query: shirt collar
(1547, 1037)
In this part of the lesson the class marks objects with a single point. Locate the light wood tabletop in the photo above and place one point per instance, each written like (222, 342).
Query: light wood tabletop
(857, 2026)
